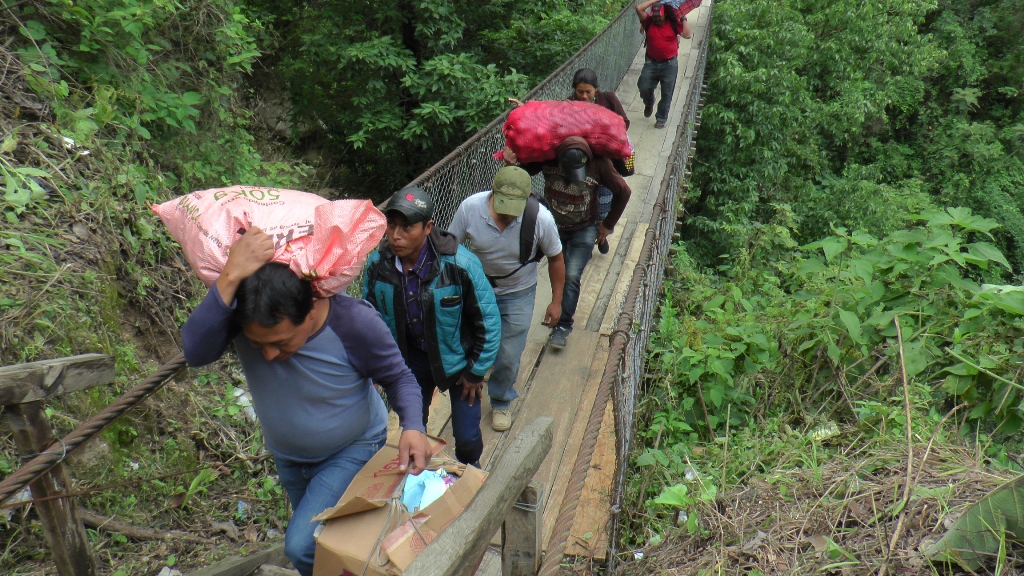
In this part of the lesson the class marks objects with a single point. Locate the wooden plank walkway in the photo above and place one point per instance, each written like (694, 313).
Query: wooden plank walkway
(563, 383)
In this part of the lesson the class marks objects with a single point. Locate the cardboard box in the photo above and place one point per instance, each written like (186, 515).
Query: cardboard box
(368, 532)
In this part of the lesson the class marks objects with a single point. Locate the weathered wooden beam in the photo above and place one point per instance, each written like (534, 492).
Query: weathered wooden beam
(271, 570)
(520, 555)
(457, 551)
(69, 543)
(244, 565)
(34, 381)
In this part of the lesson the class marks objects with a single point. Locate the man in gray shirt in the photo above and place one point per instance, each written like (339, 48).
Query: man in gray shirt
(493, 223)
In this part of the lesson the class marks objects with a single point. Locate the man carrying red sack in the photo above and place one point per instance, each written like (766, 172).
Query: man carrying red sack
(570, 193)
(661, 64)
(309, 365)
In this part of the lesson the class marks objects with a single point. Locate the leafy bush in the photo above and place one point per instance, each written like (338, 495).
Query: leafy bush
(736, 344)
(391, 87)
(116, 104)
(860, 121)
(778, 357)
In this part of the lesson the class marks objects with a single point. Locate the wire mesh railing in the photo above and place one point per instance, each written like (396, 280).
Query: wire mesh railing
(641, 301)
(471, 167)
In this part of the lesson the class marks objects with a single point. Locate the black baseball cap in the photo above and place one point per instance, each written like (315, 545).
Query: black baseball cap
(574, 164)
(414, 203)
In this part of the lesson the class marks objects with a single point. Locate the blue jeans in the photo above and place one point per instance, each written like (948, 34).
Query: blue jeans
(604, 202)
(516, 314)
(577, 248)
(469, 442)
(312, 488)
(653, 73)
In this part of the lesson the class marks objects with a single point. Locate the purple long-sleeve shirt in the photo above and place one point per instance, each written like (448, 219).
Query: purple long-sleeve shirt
(321, 399)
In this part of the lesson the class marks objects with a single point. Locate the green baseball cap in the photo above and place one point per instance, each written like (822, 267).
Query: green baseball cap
(511, 189)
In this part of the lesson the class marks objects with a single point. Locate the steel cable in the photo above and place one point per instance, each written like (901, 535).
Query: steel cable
(59, 450)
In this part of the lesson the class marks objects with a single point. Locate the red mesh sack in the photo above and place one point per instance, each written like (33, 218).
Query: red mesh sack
(534, 130)
(680, 8)
(321, 240)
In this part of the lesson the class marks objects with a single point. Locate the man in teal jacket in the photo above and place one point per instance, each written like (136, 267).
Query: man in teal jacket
(434, 296)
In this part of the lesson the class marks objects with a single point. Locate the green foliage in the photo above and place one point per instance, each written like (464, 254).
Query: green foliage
(859, 121)
(922, 278)
(745, 354)
(395, 85)
(116, 53)
(834, 315)
(125, 95)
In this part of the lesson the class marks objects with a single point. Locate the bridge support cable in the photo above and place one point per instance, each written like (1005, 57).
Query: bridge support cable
(59, 450)
(631, 335)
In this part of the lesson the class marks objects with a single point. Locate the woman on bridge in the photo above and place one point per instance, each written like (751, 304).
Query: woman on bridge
(585, 89)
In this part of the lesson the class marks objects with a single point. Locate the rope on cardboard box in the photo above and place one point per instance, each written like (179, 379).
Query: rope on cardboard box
(388, 527)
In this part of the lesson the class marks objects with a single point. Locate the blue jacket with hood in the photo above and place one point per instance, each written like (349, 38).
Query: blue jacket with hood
(463, 325)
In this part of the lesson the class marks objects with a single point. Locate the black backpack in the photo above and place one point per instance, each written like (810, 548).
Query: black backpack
(528, 252)
(677, 24)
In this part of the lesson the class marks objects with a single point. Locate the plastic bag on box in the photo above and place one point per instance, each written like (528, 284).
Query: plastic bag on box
(321, 240)
(534, 130)
(423, 489)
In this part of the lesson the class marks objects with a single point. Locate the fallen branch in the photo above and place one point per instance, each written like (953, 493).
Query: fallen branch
(109, 524)
(983, 370)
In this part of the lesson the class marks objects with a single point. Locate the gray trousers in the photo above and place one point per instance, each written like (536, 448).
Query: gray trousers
(654, 72)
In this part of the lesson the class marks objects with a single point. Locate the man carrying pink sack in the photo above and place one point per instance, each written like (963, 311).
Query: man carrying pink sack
(310, 358)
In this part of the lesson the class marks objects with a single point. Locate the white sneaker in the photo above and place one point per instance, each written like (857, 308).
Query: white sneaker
(501, 419)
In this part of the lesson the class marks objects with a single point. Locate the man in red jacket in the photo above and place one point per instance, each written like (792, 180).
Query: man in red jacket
(660, 66)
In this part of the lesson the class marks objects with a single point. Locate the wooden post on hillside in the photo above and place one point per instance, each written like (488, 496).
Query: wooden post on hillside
(520, 551)
(23, 389)
(457, 551)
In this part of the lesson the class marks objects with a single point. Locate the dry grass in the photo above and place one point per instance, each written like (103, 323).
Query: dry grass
(838, 519)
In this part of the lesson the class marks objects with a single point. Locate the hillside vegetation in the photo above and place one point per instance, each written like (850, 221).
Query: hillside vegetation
(847, 290)
(109, 106)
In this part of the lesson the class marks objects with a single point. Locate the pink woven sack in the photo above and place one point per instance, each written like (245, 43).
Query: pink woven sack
(321, 240)
(534, 130)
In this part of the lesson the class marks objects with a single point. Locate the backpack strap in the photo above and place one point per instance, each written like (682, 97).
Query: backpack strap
(528, 252)
(527, 233)
(677, 26)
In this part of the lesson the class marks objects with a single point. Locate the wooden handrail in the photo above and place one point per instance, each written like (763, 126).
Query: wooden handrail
(23, 388)
(458, 549)
(33, 381)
